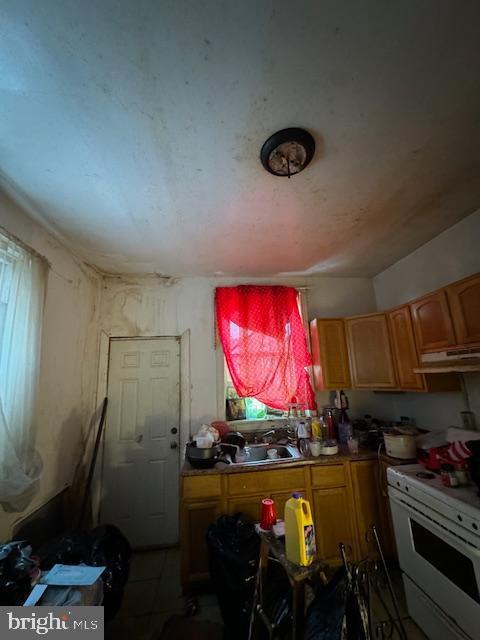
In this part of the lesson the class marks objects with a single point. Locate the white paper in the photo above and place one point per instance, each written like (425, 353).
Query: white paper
(64, 575)
(35, 594)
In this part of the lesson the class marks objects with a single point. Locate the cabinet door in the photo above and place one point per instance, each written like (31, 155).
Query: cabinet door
(330, 357)
(333, 524)
(280, 500)
(464, 298)
(250, 506)
(387, 533)
(432, 322)
(196, 517)
(365, 486)
(404, 349)
(371, 360)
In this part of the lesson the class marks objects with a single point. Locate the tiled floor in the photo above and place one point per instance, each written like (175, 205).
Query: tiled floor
(153, 595)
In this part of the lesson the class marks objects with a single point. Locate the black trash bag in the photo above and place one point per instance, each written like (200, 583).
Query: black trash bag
(326, 613)
(15, 568)
(334, 611)
(103, 546)
(112, 550)
(233, 553)
(72, 547)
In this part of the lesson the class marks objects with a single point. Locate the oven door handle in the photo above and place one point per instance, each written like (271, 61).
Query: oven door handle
(430, 523)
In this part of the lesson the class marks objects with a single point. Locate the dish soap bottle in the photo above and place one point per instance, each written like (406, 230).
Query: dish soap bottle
(299, 531)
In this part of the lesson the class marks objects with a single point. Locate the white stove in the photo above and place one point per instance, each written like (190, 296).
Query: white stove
(437, 531)
(461, 504)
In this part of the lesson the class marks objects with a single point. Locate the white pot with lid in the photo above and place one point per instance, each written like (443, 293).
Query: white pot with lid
(401, 444)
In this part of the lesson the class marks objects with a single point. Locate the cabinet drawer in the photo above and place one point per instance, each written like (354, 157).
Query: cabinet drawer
(264, 482)
(328, 476)
(208, 486)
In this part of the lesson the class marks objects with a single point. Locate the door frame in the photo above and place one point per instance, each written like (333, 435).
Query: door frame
(102, 386)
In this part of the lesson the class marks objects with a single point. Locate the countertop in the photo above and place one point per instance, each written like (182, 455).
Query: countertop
(343, 456)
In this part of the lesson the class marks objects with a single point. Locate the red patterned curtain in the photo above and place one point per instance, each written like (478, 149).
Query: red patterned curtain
(265, 344)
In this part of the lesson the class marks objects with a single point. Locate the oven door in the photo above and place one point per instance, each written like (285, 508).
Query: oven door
(441, 558)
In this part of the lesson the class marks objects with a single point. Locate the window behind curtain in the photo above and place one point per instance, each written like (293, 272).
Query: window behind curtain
(265, 344)
(23, 277)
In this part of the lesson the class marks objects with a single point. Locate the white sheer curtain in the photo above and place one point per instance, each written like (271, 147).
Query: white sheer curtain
(23, 277)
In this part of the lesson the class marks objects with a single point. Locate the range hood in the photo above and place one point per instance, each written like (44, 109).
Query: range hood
(452, 361)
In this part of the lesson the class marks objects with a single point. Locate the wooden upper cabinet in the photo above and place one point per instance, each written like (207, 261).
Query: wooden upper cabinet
(371, 362)
(464, 299)
(329, 351)
(432, 322)
(404, 349)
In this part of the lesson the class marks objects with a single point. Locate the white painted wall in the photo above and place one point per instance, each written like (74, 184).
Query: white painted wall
(68, 367)
(452, 255)
(148, 307)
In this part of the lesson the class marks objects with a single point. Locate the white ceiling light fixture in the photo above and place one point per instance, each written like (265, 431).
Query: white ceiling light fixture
(287, 152)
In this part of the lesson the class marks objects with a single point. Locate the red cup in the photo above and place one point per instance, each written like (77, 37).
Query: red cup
(269, 515)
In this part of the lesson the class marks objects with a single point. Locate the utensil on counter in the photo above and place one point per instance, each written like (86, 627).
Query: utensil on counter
(352, 445)
(206, 458)
(233, 437)
(329, 448)
(315, 448)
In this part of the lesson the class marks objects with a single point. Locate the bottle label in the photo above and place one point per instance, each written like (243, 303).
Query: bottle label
(309, 536)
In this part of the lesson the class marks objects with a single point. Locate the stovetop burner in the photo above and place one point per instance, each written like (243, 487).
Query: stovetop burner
(425, 475)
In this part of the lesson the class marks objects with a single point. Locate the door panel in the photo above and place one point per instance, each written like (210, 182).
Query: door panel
(196, 518)
(332, 523)
(250, 506)
(432, 322)
(371, 360)
(141, 457)
(365, 483)
(330, 357)
(464, 298)
(404, 349)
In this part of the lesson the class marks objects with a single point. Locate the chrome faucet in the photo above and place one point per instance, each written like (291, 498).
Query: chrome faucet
(269, 437)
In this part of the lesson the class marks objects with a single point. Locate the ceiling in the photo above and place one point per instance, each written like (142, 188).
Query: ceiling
(133, 129)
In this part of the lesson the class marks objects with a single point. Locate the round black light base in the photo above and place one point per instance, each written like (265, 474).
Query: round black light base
(287, 152)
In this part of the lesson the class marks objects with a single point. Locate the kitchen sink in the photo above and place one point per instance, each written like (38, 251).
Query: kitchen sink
(257, 453)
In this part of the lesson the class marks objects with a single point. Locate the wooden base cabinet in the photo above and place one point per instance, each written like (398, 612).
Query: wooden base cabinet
(366, 504)
(344, 497)
(333, 523)
(195, 520)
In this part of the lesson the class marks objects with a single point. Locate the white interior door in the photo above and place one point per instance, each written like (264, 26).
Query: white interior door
(141, 457)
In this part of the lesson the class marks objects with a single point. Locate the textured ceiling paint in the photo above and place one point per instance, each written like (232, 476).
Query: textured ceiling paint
(134, 129)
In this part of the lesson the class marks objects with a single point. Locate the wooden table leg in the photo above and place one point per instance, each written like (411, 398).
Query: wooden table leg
(298, 612)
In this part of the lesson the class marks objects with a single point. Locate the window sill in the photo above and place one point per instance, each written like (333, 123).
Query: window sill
(256, 425)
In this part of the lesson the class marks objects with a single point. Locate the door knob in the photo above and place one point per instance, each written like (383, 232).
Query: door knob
(173, 430)
(173, 445)
(139, 438)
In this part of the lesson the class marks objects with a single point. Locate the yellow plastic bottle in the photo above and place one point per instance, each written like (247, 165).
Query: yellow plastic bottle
(299, 531)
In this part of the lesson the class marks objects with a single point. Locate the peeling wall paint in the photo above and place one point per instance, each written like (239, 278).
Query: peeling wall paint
(68, 370)
(152, 306)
